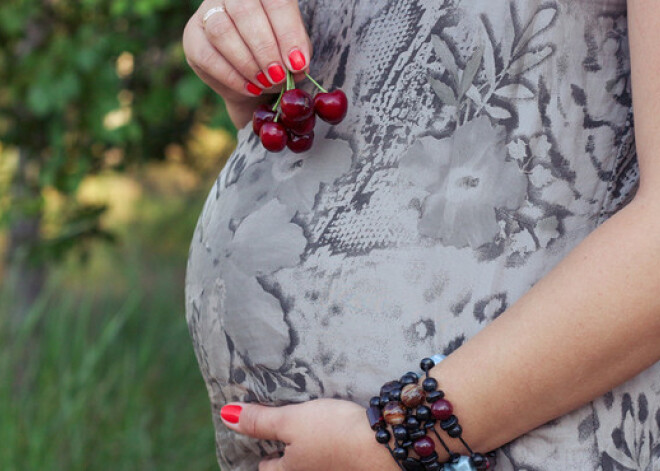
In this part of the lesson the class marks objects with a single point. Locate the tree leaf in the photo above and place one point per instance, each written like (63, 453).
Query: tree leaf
(443, 53)
(541, 20)
(497, 112)
(506, 45)
(473, 94)
(444, 91)
(471, 69)
(489, 60)
(531, 59)
(515, 91)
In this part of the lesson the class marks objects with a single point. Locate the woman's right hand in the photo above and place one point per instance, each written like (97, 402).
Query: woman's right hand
(241, 48)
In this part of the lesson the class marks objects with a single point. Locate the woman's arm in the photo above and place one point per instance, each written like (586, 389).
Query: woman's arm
(594, 321)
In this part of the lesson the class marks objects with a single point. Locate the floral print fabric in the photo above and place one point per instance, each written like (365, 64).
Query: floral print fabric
(483, 142)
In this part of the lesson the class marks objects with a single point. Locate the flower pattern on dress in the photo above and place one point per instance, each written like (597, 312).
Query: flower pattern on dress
(469, 179)
(483, 142)
(634, 436)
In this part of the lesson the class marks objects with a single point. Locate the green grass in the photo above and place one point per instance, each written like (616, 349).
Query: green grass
(101, 374)
(93, 389)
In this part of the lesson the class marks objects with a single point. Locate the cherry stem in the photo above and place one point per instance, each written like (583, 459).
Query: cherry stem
(315, 83)
(277, 104)
(290, 84)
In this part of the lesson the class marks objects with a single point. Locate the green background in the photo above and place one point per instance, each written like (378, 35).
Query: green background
(108, 146)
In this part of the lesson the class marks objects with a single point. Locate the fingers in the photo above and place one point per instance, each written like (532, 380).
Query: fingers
(241, 47)
(209, 63)
(288, 26)
(257, 32)
(262, 422)
(241, 34)
(259, 37)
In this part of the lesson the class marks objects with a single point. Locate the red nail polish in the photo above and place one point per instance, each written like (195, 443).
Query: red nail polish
(252, 88)
(263, 80)
(297, 60)
(276, 72)
(231, 413)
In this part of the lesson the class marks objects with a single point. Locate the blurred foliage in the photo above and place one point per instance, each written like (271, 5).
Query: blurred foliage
(105, 134)
(103, 374)
(87, 86)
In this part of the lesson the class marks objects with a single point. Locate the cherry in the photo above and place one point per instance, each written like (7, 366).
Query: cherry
(300, 143)
(292, 123)
(273, 136)
(297, 104)
(263, 114)
(299, 127)
(332, 106)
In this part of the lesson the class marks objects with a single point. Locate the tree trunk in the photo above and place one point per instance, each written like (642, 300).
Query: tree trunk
(26, 275)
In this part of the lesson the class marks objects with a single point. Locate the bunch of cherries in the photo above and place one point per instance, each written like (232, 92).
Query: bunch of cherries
(290, 121)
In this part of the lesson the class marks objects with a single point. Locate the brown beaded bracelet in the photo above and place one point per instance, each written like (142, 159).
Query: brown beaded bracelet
(412, 411)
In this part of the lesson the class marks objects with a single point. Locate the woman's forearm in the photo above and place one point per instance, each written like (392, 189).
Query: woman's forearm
(588, 326)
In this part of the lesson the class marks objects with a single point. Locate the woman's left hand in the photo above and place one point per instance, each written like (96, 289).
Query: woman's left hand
(320, 435)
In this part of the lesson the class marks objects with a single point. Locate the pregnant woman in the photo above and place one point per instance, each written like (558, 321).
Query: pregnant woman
(488, 197)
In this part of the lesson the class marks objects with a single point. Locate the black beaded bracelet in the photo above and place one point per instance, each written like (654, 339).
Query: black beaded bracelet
(413, 411)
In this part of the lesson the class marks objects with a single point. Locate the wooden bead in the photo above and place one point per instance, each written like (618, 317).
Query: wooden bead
(426, 364)
(411, 464)
(424, 446)
(400, 453)
(394, 414)
(412, 395)
(389, 387)
(383, 436)
(434, 396)
(375, 417)
(442, 409)
(400, 433)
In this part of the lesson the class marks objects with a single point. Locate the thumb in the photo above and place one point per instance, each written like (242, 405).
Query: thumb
(256, 421)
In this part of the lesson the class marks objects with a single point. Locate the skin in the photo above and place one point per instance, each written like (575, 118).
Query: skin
(234, 46)
(590, 325)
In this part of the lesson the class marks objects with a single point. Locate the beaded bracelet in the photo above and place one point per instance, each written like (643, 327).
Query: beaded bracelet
(413, 411)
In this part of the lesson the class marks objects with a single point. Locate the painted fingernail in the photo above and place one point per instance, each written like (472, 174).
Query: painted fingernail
(231, 413)
(297, 60)
(263, 80)
(276, 72)
(253, 89)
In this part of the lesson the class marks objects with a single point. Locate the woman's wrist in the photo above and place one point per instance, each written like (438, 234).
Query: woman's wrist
(417, 424)
(472, 426)
(368, 449)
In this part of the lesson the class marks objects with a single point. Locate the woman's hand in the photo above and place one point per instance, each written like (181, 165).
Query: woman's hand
(320, 435)
(241, 48)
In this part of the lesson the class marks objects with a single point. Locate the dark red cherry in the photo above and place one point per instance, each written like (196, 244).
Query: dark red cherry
(299, 127)
(273, 136)
(297, 104)
(300, 143)
(331, 107)
(263, 114)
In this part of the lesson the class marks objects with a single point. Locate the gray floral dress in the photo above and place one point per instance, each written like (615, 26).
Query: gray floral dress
(485, 139)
